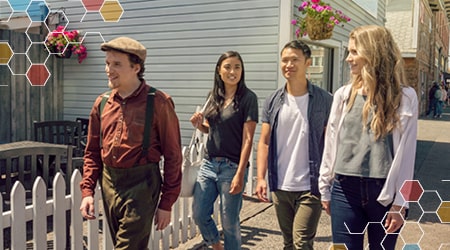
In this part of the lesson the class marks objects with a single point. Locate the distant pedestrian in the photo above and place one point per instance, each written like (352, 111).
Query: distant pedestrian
(441, 97)
(438, 94)
(291, 146)
(431, 99)
(370, 144)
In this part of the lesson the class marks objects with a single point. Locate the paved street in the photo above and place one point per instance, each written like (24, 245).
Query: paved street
(260, 228)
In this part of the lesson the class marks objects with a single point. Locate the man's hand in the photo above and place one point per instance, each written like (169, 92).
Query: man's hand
(162, 219)
(87, 208)
(326, 206)
(261, 190)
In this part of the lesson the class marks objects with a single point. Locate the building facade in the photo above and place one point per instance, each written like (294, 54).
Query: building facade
(420, 27)
(185, 38)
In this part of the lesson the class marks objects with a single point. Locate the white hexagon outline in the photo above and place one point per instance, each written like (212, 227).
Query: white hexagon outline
(331, 247)
(29, 5)
(16, 74)
(1, 84)
(438, 214)
(32, 43)
(403, 228)
(411, 181)
(10, 14)
(443, 244)
(409, 244)
(7, 43)
(29, 26)
(363, 231)
(430, 191)
(121, 14)
(64, 50)
(46, 80)
(88, 11)
(61, 12)
(421, 209)
(17, 10)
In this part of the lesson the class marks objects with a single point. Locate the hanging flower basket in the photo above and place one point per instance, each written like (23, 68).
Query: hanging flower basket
(65, 44)
(317, 29)
(317, 19)
(67, 53)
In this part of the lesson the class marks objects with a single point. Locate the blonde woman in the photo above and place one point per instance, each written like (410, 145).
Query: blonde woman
(370, 144)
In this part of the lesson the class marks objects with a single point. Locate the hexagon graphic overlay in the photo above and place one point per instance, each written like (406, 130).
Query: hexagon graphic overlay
(111, 11)
(5, 53)
(411, 190)
(92, 5)
(38, 75)
(443, 212)
(6, 12)
(19, 5)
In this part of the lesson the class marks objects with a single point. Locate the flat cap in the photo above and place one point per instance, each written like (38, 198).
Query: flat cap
(127, 45)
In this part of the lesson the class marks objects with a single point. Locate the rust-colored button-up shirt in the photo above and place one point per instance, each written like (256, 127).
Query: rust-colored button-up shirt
(122, 125)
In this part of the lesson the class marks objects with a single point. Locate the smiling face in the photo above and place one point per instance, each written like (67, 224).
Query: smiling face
(230, 71)
(294, 64)
(120, 71)
(355, 61)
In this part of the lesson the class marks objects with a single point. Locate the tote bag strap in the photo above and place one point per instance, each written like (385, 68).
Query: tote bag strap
(192, 142)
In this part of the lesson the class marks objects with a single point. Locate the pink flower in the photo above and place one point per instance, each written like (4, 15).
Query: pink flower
(320, 11)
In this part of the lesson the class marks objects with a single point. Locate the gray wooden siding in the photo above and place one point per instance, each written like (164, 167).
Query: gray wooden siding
(184, 39)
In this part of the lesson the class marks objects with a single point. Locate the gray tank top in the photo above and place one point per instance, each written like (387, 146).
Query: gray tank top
(358, 154)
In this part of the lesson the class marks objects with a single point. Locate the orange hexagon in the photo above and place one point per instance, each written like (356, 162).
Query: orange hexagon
(92, 5)
(5, 53)
(411, 190)
(111, 11)
(38, 74)
(443, 212)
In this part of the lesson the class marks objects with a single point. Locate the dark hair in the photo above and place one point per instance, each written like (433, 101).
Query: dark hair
(134, 59)
(218, 92)
(296, 44)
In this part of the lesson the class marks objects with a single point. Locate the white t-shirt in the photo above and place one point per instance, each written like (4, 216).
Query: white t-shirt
(292, 144)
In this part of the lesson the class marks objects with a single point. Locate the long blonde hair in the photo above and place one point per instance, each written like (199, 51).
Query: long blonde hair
(382, 78)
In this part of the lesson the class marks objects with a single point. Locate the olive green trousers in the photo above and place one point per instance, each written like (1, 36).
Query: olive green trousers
(130, 198)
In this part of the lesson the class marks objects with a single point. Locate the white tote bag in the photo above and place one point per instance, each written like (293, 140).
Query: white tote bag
(192, 160)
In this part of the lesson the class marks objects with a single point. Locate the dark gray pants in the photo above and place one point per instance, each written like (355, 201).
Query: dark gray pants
(130, 197)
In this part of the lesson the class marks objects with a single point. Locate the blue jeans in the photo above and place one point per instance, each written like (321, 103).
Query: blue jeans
(354, 206)
(439, 106)
(214, 179)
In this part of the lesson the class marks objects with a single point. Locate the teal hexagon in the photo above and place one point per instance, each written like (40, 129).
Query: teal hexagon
(37, 10)
(19, 5)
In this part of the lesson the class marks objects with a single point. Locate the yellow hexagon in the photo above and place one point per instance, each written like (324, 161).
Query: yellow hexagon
(111, 11)
(5, 53)
(443, 212)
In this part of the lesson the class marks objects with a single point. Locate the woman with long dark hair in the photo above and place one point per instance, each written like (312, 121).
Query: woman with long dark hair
(229, 119)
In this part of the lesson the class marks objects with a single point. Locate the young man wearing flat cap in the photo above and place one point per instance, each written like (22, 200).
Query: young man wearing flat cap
(132, 187)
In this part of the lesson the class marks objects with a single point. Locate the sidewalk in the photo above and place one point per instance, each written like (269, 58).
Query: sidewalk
(259, 226)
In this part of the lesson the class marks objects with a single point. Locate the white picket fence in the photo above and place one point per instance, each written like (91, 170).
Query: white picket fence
(181, 229)
(83, 234)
